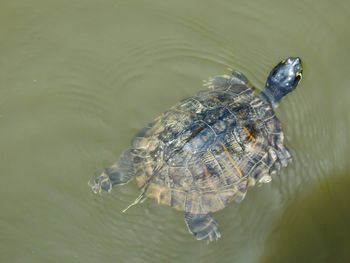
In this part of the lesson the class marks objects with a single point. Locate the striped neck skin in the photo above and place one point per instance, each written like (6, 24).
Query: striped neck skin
(272, 95)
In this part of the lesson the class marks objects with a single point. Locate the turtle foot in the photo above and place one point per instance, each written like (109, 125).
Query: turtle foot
(101, 183)
(203, 226)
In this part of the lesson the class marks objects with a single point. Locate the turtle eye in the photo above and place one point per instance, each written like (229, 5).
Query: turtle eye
(299, 75)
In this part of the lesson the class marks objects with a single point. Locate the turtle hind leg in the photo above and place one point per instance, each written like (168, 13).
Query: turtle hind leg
(203, 226)
(119, 173)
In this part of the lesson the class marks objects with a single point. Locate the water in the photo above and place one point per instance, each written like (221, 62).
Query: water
(312, 221)
(79, 78)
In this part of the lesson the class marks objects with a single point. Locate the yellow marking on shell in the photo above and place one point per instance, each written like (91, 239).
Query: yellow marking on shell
(159, 193)
(194, 197)
(206, 173)
(250, 135)
(208, 156)
(140, 180)
(251, 181)
(157, 127)
(255, 103)
(209, 159)
(154, 191)
(180, 110)
(234, 163)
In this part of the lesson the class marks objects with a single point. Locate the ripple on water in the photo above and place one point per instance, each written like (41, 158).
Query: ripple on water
(151, 224)
(319, 216)
(162, 224)
(139, 56)
(76, 118)
(303, 129)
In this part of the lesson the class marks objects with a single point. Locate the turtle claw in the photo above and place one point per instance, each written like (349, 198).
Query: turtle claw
(101, 183)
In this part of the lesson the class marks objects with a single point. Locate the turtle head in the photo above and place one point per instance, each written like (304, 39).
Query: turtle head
(283, 79)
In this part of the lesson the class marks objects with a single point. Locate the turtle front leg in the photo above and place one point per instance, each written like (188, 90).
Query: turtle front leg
(279, 155)
(283, 154)
(110, 177)
(119, 173)
(203, 226)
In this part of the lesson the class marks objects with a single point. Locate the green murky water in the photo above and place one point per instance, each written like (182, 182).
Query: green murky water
(79, 78)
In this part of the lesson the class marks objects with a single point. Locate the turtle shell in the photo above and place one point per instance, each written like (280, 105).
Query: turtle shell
(205, 151)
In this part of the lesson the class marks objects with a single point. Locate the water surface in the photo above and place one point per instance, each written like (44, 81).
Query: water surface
(79, 78)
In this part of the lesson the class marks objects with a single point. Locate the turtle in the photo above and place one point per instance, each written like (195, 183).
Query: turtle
(206, 151)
